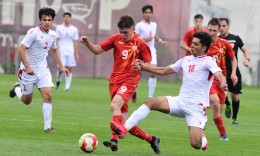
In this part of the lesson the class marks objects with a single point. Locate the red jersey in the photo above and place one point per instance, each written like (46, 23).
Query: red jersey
(125, 53)
(188, 36)
(220, 51)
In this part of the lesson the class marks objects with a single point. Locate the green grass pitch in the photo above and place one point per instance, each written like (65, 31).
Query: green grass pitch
(86, 109)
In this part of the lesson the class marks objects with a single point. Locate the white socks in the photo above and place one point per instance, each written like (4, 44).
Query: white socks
(18, 92)
(47, 115)
(68, 81)
(204, 141)
(137, 116)
(151, 86)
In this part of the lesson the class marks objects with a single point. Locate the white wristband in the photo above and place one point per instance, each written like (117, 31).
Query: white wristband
(160, 40)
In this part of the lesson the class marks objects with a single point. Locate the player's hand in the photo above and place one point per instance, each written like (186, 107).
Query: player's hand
(84, 40)
(246, 63)
(234, 79)
(138, 65)
(65, 71)
(224, 86)
(164, 43)
(29, 70)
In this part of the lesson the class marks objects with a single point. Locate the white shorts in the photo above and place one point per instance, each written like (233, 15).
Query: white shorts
(68, 61)
(194, 113)
(41, 80)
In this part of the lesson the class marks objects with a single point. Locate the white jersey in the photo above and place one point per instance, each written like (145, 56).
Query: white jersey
(144, 29)
(197, 78)
(67, 35)
(38, 44)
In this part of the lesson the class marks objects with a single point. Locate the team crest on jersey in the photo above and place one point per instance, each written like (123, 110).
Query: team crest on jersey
(221, 50)
(134, 48)
(120, 42)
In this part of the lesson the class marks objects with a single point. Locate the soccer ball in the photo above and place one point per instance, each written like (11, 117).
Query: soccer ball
(88, 142)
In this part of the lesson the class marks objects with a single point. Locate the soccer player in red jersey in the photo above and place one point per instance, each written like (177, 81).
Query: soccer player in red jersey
(220, 49)
(188, 36)
(124, 79)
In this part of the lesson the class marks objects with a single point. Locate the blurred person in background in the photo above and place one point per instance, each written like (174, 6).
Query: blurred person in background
(235, 42)
(67, 43)
(146, 29)
(186, 41)
(220, 49)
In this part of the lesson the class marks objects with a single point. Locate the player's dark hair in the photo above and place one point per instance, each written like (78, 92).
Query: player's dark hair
(147, 7)
(125, 22)
(204, 38)
(198, 16)
(224, 19)
(214, 22)
(46, 12)
(67, 13)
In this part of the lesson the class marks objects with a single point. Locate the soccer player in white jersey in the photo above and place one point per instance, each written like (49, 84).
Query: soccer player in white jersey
(146, 29)
(67, 42)
(198, 70)
(34, 69)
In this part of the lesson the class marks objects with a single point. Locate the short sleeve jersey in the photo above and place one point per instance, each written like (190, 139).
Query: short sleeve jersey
(38, 44)
(220, 51)
(67, 35)
(235, 42)
(197, 78)
(188, 36)
(125, 53)
(145, 29)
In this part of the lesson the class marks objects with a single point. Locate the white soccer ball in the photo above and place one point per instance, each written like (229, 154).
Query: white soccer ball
(88, 142)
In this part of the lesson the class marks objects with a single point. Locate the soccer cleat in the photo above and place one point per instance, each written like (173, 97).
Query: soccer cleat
(112, 144)
(235, 122)
(57, 84)
(50, 130)
(223, 138)
(12, 91)
(155, 144)
(228, 111)
(134, 98)
(120, 130)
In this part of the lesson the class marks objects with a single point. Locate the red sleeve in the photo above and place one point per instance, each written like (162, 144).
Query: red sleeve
(145, 52)
(230, 52)
(109, 43)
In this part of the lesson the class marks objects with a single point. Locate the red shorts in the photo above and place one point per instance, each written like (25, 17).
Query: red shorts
(216, 89)
(124, 89)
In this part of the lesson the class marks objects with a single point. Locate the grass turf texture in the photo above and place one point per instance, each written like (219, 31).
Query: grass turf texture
(85, 109)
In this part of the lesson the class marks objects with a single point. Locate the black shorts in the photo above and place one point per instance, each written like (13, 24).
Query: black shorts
(237, 89)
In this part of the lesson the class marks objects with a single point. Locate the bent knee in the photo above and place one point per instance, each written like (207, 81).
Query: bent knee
(27, 101)
(196, 145)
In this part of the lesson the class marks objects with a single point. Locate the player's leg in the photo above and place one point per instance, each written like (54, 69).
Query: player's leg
(235, 98)
(24, 89)
(198, 139)
(228, 112)
(151, 85)
(217, 118)
(45, 87)
(59, 74)
(70, 63)
(68, 79)
(235, 106)
(152, 79)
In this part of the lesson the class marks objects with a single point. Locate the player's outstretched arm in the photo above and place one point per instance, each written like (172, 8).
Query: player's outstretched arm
(96, 49)
(139, 65)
